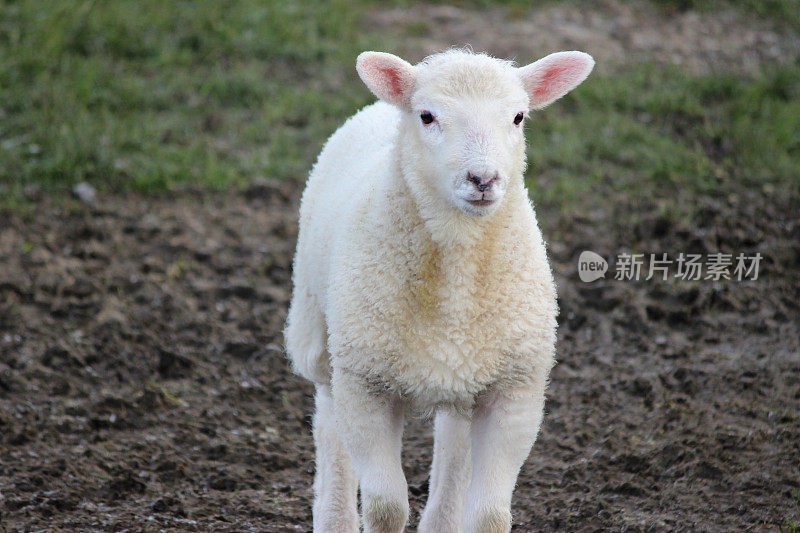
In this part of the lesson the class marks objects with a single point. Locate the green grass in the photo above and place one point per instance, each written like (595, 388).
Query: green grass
(144, 95)
(148, 95)
(792, 524)
(654, 131)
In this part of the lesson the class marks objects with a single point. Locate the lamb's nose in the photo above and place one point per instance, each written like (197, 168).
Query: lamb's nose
(482, 182)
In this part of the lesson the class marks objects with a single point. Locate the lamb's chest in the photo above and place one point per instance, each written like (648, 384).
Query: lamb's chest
(441, 325)
(442, 346)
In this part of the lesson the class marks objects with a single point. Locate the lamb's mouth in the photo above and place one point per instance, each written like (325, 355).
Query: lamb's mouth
(480, 202)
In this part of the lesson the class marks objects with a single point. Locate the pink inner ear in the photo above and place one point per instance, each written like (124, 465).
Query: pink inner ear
(550, 81)
(393, 81)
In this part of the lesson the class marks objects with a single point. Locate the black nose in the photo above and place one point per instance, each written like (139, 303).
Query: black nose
(481, 182)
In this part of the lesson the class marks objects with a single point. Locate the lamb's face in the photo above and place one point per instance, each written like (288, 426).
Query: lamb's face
(467, 116)
(467, 111)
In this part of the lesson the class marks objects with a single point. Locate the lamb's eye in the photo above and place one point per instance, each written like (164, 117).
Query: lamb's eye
(518, 118)
(426, 117)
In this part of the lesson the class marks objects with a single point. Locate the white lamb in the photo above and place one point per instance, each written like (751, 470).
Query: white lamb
(421, 284)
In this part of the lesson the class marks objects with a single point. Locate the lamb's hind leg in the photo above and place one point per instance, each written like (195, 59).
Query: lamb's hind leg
(449, 475)
(504, 427)
(335, 483)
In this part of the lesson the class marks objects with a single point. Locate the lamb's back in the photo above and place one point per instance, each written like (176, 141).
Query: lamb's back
(351, 164)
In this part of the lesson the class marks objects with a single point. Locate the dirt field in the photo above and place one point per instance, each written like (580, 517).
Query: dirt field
(143, 387)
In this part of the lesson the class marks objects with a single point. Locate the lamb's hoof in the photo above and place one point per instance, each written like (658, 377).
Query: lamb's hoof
(491, 521)
(336, 524)
(439, 524)
(384, 515)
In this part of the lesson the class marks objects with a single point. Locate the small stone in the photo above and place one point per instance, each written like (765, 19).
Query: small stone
(85, 193)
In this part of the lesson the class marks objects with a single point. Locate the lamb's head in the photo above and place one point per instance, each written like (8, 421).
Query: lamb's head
(463, 113)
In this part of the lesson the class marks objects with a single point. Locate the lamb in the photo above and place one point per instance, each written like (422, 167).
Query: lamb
(421, 285)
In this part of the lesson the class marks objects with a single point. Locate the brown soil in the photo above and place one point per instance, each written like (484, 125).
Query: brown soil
(143, 385)
(614, 32)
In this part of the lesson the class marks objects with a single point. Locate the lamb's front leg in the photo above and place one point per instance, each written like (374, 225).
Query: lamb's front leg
(371, 426)
(449, 475)
(504, 427)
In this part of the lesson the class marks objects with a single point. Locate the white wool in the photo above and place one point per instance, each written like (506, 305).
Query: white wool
(410, 293)
(421, 283)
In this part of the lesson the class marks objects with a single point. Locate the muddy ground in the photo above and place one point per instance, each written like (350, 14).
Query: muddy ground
(615, 32)
(143, 386)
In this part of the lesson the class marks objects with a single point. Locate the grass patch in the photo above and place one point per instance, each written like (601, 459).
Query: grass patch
(791, 523)
(654, 131)
(147, 95)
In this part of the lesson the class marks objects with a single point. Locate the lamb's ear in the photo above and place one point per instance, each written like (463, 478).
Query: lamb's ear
(553, 76)
(388, 77)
